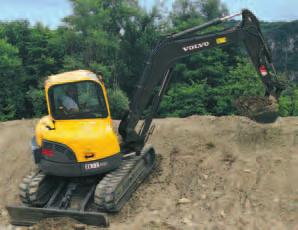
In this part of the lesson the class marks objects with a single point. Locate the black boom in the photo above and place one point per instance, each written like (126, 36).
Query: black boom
(176, 46)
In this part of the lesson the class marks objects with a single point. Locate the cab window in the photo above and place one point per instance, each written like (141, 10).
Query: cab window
(79, 100)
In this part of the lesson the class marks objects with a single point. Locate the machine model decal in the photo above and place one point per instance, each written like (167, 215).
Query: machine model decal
(196, 46)
(95, 165)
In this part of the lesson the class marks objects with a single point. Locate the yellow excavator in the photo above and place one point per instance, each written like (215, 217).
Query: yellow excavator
(84, 172)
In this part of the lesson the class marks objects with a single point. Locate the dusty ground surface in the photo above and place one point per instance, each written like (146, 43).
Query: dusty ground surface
(214, 173)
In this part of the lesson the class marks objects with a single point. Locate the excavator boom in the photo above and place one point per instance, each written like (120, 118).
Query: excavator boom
(157, 72)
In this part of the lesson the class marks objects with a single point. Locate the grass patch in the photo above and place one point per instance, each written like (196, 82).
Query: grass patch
(210, 145)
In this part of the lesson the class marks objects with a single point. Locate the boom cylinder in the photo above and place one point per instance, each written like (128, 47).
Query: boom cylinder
(213, 22)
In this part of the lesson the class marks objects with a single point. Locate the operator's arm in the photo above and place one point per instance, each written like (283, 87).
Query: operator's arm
(69, 104)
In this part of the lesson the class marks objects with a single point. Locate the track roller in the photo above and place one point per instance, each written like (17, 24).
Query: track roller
(114, 190)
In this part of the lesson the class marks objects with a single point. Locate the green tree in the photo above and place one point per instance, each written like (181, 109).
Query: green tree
(114, 39)
(213, 8)
(288, 102)
(241, 80)
(184, 100)
(37, 99)
(118, 103)
(205, 72)
(140, 36)
(11, 93)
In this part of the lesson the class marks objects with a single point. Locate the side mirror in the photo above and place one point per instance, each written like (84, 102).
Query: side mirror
(50, 125)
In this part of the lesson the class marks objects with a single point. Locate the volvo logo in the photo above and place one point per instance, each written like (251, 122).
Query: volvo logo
(196, 46)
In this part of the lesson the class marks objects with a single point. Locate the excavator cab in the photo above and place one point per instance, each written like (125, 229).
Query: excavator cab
(76, 138)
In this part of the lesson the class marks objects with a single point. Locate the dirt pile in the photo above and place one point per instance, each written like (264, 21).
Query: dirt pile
(58, 223)
(217, 173)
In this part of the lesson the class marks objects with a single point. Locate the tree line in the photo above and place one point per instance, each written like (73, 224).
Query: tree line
(114, 38)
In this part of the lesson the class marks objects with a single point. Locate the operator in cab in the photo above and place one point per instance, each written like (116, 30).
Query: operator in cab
(68, 100)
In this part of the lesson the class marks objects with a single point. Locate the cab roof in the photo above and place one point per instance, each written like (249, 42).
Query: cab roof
(72, 76)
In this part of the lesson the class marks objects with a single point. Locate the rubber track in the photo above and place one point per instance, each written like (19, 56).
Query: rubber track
(29, 188)
(116, 187)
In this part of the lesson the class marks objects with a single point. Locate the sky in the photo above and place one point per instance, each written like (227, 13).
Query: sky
(50, 12)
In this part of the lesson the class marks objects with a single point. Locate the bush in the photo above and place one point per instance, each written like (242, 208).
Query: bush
(288, 103)
(37, 99)
(184, 100)
(119, 103)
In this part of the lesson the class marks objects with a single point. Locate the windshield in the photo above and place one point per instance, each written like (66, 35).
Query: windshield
(79, 100)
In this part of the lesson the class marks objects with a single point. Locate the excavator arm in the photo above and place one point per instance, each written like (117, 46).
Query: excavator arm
(159, 65)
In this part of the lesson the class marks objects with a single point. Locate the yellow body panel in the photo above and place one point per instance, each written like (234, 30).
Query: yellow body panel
(85, 137)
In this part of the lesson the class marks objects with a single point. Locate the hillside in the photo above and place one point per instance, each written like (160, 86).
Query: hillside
(283, 40)
(232, 172)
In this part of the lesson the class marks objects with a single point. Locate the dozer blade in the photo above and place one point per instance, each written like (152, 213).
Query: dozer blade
(27, 216)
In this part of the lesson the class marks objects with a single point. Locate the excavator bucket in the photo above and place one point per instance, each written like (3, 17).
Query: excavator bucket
(27, 216)
(259, 109)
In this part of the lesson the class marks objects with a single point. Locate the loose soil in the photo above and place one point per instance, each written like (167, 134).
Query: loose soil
(213, 173)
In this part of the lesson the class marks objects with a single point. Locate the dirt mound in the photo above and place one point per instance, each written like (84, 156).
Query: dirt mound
(213, 173)
(58, 223)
